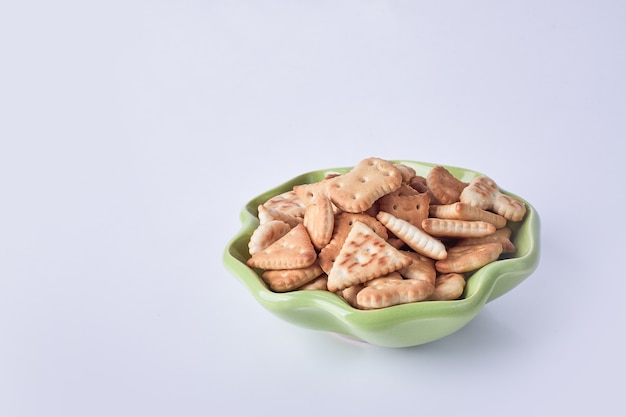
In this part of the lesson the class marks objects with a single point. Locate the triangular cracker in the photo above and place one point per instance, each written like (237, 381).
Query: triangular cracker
(293, 250)
(267, 214)
(364, 256)
(266, 234)
(341, 228)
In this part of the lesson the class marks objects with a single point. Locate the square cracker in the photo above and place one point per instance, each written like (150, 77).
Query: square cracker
(356, 190)
(407, 204)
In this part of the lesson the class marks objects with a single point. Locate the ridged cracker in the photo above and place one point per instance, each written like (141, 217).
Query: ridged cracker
(469, 258)
(391, 290)
(457, 228)
(509, 207)
(463, 211)
(413, 236)
(502, 236)
(284, 280)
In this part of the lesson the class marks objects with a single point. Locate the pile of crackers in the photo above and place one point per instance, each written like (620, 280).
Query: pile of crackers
(381, 235)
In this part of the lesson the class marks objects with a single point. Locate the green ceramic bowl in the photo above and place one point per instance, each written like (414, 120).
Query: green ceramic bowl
(397, 326)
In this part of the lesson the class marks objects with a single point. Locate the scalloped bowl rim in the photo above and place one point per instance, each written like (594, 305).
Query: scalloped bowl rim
(397, 326)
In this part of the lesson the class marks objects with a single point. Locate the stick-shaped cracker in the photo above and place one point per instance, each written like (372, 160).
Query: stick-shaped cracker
(414, 237)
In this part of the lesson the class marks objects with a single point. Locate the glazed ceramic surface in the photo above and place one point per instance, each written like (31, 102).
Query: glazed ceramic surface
(396, 326)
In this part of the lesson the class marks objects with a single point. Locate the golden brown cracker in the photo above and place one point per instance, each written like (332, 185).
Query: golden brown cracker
(417, 239)
(364, 256)
(502, 236)
(286, 202)
(422, 268)
(293, 250)
(290, 279)
(444, 186)
(343, 224)
(308, 192)
(318, 283)
(319, 221)
(509, 207)
(469, 258)
(269, 213)
(480, 192)
(390, 290)
(419, 184)
(266, 234)
(483, 192)
(463, 211)
(457, 228)
(406, 171)
(448, 287)
(349, 294)
(407, 204)
(356, 190)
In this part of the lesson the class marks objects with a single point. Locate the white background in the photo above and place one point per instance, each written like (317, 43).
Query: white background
(133, 132)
